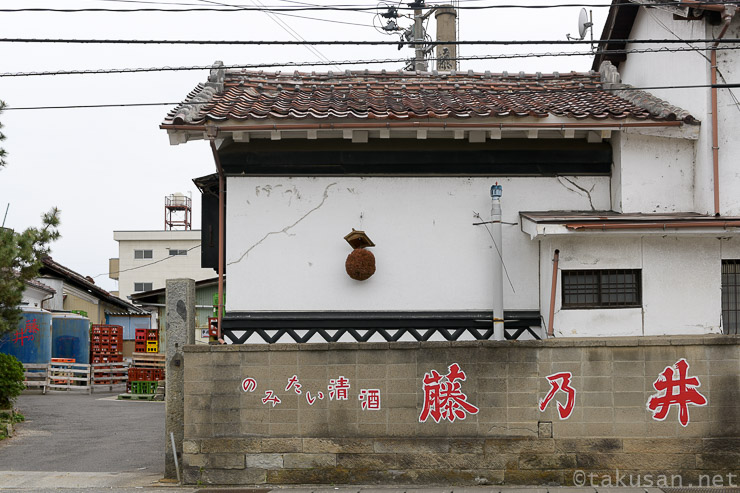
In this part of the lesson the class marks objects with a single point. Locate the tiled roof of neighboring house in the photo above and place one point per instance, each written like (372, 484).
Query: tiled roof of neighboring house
(379, 95)
(40, 285)
(57, 269)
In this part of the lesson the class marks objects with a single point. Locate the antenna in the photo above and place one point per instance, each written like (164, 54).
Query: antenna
(585, 24)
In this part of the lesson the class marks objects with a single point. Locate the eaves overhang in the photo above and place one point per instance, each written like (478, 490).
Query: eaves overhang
(482, 130)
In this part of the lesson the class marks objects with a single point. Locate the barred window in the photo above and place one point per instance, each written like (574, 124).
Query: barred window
(731, 296)
(602, 288)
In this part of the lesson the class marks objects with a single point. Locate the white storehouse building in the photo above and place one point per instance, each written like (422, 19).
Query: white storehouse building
(607, 206)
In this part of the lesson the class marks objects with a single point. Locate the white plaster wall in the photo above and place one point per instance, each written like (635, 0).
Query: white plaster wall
(682, 281)
(728, 115)
(597, 252)
(685, 68)
(693, 68)
(681, 284)
(33, 296)
(616, 178)
(730, 248)
(166, 267)
(655, 174)
(57, 302)
(285, 248)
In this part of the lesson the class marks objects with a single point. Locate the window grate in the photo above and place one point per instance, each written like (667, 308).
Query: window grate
(602, 288)
(731, 296)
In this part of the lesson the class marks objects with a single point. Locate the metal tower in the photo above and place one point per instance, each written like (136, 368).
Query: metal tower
(178, 212)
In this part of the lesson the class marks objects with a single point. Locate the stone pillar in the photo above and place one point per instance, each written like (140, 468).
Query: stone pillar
(180, 328)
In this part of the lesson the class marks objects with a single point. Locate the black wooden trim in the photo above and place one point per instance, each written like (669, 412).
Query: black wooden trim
(528, 158)
(392, 326)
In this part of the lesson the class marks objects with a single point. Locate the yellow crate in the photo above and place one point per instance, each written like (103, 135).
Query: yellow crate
(152, 346)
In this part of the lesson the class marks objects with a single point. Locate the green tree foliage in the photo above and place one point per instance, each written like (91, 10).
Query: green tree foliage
(20, 261)
(11, 379)
(2, 137)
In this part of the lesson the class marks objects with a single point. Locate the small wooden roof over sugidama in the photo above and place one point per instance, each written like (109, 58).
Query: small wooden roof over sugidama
(239, 96)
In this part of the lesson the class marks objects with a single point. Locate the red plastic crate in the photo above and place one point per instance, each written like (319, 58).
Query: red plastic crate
(140, 335)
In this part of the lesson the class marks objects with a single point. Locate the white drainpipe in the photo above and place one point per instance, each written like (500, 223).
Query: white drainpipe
(498, 272)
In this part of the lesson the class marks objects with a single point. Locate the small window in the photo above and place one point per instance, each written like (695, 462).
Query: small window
(731, 296)
(608, 288)
(142, 286)
(178, 252)
(143, 254)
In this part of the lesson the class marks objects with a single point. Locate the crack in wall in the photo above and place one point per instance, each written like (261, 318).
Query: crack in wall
(506, 428)
(587, 192)
(286, 228)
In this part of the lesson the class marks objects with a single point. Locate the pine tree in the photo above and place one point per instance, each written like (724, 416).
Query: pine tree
(20, 261)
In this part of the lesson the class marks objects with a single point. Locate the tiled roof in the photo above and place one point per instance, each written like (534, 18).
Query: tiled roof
(40, 285)
(50, 266)
(380, 95)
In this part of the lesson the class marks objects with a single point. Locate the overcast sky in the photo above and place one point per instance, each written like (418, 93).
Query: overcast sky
(110, 169)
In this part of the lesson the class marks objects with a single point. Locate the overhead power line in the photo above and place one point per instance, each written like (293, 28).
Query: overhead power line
(326, 7)
(346, 7)
(522, 91)
(351, 62)
(361, 42)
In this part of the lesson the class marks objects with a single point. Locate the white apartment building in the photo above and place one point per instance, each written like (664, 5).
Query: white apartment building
(146, 259)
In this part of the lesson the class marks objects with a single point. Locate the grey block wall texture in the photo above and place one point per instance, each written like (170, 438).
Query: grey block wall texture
(180, 327)
(231, 437)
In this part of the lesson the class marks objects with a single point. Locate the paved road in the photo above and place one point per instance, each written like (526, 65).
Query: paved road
(78, 433)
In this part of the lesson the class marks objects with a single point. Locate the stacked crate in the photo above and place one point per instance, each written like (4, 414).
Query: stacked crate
(106, 343)
(146, 341)
(106, 346)
(144, 378)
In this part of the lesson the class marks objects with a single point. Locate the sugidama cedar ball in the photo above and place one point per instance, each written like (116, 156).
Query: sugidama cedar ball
(360, 264)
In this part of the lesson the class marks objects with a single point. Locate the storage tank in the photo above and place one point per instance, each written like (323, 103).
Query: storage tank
(70, 337)
(31, 341)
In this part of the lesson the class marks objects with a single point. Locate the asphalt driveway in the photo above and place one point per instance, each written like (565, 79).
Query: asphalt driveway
(86, 433)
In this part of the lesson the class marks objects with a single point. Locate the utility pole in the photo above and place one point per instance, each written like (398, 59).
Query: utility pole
(415, 36)
(419, 61)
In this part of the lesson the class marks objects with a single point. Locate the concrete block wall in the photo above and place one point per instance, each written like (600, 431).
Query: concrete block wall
(232, 437)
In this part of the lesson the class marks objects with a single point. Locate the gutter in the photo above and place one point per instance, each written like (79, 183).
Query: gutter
(553, 291)
(212, 131)
(728, 11)
(655, 225)
(442, 125)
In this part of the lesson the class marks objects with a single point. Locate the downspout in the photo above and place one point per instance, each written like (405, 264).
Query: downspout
(550, 328)
(727, 13)
(212, 131)
(499, 333)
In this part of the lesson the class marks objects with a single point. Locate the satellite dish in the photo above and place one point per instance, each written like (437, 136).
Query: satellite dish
(584, 24)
